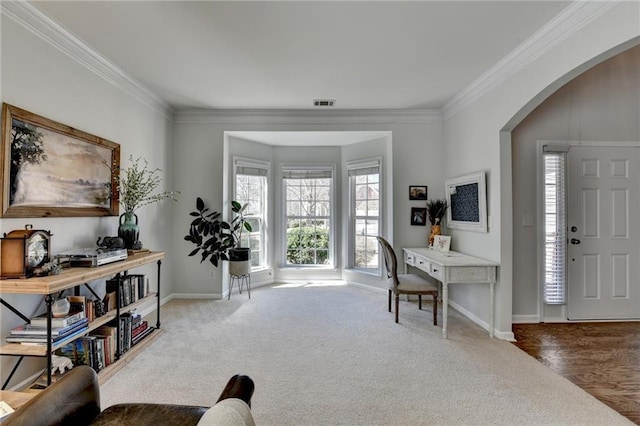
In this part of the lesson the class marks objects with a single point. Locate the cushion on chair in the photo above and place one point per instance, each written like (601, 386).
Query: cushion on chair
(228, 412)
(411, 282)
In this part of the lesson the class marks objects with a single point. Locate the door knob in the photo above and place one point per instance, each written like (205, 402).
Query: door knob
(575, 241)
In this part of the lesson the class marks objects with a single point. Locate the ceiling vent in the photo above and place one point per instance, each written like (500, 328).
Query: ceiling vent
(324, 102)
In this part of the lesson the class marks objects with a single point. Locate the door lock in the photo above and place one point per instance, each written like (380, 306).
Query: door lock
(574, 229)
(575, 241)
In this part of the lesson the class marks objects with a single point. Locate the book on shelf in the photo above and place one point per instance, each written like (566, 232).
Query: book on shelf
(31, 330)
(109, 334)
(42, 340)
(131, 288)
(142, 335)
(73, 316)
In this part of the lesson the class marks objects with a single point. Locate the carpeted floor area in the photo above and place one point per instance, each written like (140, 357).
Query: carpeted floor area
(332, 355)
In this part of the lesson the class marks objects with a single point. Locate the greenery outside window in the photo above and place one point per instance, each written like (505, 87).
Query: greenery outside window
(308, 195)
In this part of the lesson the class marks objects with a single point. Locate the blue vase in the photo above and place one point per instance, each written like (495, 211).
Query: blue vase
(129, 230)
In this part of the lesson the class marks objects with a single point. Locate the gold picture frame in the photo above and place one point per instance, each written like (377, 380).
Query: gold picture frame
(49, 169)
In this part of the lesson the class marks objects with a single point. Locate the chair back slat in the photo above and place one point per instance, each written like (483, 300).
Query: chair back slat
(390, 260)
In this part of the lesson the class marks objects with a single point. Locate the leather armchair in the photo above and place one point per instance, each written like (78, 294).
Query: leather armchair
(75, 400)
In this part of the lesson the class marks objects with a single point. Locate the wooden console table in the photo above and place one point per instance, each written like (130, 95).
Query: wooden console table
(451, 268)
(73, 278)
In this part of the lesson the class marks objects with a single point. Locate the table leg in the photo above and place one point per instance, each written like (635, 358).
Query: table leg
(445, 308)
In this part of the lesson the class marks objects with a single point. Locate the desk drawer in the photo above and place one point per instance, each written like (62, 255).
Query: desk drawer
(409, 259)
(436, 271)
(422, 263)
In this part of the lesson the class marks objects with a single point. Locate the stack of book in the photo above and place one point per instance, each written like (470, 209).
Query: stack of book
(131, 288)
(61, 328)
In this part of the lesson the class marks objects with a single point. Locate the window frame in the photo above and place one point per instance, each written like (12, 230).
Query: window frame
(554, 262)
(284, 169)
(265, 166)
(361, 164)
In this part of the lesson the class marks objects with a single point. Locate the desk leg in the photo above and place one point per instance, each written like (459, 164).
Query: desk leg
(445, 307)
(492, 302)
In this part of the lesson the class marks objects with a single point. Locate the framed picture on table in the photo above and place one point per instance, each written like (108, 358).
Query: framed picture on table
(442, 242)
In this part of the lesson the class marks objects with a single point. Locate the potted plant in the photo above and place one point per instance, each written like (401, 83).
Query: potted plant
(435, 211)
(136, 186)
(215, 238)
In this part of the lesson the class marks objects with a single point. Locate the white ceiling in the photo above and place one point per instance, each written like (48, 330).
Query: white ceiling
(282, 55)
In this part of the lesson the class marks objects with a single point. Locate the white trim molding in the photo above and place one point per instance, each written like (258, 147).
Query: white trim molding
(569, 21)
(382, 116)
(35, 21)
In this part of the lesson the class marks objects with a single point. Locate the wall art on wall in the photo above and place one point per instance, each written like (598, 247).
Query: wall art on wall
(467, 199)
(419, 216)
(52, 170)
(417, 192)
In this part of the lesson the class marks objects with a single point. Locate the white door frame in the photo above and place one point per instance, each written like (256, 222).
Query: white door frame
(557, 313)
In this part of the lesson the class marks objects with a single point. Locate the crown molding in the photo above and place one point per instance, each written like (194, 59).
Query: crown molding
(33, 20)
(569, 21)
(307, 116)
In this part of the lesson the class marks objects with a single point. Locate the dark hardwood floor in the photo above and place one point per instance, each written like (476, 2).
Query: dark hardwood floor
(601, 358)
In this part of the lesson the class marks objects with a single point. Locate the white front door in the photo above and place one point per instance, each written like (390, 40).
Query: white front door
(603, 220)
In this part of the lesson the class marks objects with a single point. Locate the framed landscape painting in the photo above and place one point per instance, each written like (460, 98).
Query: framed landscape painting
(52, 170)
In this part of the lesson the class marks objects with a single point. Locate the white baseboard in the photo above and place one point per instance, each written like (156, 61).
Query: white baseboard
(525, 319)
(196, 296)
(503, 335)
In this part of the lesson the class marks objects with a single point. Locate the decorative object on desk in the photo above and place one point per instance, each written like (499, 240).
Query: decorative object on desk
(110, 243)
(435, 211)
(136, 186)
(442, 242)
(49, 268)
(467, 199)
(216, 238)
(418, 216)
(53, 170)
(23, 251)
(60, 308)
(417, 192)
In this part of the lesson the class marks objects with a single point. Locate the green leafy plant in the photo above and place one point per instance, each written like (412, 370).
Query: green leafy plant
(308, 245)
(436, 210)
(137, 184)
(214, 237)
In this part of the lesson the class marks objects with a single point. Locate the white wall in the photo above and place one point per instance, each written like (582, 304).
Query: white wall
(473, 142)
(41, 79)
(602, 104)
(199, 157)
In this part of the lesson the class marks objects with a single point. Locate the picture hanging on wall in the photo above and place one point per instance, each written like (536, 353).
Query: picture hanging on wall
(417, 192)
(52, 170)
(467, 200)
(419, 216)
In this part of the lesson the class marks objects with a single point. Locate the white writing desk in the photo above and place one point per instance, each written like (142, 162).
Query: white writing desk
(452, 267)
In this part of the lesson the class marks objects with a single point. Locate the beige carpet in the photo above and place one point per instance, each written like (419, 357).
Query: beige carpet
(332, 355)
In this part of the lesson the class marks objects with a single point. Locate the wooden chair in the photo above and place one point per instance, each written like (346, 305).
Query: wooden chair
(406, 283)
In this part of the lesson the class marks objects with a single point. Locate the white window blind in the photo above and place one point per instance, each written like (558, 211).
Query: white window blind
(555, 228)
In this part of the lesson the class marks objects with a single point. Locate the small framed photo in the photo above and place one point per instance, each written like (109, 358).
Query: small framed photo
(417, 192)
(442, 242)
(419, 216)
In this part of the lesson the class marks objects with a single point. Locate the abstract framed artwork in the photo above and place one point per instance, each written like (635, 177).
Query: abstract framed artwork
(52, 170)
(419, 216)
(467, 200)
(417, 192)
